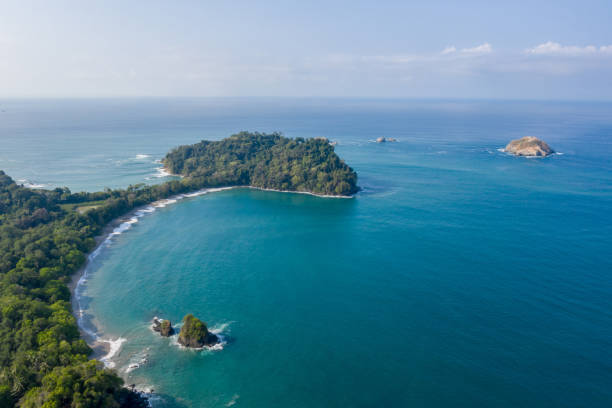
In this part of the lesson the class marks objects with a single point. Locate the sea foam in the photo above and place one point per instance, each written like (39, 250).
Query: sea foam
(114, 347)
(137, 360)
(220, 330)
(30, 184)
(233, 401)
(161, 172)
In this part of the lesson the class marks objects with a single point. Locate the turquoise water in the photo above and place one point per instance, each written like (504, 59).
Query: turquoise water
(459, 276)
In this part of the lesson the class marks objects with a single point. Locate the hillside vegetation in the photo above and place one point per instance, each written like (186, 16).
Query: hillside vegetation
(267, 161)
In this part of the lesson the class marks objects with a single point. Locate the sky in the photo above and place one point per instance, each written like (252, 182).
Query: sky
(536, 49)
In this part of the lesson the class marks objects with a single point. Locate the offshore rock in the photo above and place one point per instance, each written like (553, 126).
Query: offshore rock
(163, 327)
(195, 334)
(529, 146)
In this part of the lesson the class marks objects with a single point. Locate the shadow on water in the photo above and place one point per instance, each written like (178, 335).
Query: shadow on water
(165, 401)
(372, 189)
(302, 203)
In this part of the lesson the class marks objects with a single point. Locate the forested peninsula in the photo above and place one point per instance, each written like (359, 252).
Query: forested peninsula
(46, 234)
(268, 161)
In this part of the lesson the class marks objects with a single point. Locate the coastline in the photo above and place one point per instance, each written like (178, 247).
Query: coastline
(105, 349)
(100, 348)
(167, 173)
(297, 192)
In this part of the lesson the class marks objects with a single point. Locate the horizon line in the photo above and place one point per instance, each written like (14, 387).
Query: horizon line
(364, 98)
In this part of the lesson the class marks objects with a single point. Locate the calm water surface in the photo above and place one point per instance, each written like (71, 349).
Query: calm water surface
(459, 276)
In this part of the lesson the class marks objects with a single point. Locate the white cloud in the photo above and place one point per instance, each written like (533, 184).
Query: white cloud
(183, 71)
(553, 48)
(480, 49)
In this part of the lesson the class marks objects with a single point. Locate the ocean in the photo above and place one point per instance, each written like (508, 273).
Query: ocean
(459, 276)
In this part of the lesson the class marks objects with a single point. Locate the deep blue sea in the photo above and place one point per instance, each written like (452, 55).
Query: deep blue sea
(459, 276)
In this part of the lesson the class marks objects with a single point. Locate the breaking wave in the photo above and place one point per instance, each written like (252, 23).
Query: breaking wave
(31, 184)
(114, 347)
(137, 360)
(220, 330)
(233, 400)
(161, 172)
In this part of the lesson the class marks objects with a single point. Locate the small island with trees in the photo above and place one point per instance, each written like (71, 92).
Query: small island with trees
(45, 236)
(195, 334)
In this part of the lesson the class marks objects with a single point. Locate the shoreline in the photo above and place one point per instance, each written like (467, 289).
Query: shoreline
(507, 153)
(297, 192)
(167, 173)
(105, 349)
(100, 348)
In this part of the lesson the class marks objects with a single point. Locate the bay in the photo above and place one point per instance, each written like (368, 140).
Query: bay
(458, 276)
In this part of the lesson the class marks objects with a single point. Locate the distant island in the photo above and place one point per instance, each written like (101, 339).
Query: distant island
(45, 236)
(529, 146)
(385, 139)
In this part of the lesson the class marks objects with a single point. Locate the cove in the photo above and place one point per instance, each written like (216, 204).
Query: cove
(201, 273)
